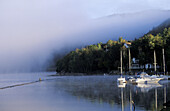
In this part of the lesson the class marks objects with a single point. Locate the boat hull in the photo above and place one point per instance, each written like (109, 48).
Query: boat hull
(148, 80)
(121, 80)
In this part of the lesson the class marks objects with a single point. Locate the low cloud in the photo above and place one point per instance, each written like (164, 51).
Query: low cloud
(31, 30)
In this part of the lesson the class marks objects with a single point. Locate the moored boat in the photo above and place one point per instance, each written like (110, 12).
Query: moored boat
(121, 80)
(143, 77)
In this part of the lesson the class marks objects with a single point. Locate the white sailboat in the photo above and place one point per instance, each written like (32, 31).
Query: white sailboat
(121, 79)
(143, 77)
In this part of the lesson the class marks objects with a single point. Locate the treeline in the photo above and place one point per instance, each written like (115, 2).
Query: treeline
(105, 57)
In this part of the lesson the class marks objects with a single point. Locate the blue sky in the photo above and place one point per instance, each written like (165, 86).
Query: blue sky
(98, 8)
(91, 8)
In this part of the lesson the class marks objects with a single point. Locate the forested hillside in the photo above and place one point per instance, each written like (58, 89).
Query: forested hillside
(105, 57)
(160, 28)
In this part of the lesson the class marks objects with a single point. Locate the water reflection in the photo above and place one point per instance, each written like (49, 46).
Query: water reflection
(130, 100)
(147, 87)
(121, 85)
(99, 89)
(85, 93)
(164, 96)
(122, 99)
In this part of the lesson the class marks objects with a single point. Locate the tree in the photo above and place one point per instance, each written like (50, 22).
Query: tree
(106, 57)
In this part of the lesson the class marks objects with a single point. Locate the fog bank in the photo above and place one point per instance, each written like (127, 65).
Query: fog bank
(32, 30)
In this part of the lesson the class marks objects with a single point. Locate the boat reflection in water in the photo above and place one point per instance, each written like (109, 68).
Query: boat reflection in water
(105, 92)
(142, 89)
(121, 85)
(148, 86)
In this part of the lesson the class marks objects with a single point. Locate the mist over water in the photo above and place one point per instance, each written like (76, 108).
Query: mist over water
(32, 30)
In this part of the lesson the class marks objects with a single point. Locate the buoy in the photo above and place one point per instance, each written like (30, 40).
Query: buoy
(40, 79)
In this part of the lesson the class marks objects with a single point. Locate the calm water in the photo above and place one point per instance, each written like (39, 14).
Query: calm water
(79, 93)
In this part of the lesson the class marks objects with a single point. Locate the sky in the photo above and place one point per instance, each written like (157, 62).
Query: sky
(99, 8)
(31, 30)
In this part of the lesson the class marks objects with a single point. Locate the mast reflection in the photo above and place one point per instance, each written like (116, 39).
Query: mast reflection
(122, 85)
(165, 96)
(122, 99)
(156, 99)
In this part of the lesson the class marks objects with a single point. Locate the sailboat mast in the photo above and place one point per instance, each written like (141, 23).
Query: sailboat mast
(129, 61)
(121, 61)
(163, 53)
(155, 60)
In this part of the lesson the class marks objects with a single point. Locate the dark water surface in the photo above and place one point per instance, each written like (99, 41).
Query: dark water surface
(79, 93)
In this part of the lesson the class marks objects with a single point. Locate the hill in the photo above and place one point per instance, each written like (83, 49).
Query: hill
(104, 57)
(160, 28)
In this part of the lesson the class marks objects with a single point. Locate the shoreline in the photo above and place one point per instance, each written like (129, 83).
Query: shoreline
(91, 74)
(79, 74)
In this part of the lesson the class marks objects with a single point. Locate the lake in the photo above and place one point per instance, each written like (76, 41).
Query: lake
(78, 93)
